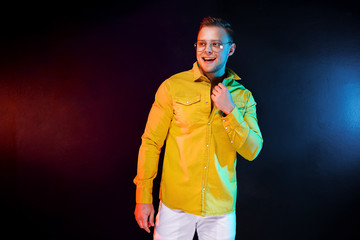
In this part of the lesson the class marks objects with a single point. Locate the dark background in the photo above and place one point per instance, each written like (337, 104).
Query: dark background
(77, 80)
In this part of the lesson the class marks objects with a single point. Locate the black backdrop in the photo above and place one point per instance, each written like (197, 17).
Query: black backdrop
(77, 81)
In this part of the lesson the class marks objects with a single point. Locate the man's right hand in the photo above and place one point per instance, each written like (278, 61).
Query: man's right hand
(144, 215)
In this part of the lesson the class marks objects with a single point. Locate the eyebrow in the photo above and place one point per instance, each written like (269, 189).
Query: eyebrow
(208, 40)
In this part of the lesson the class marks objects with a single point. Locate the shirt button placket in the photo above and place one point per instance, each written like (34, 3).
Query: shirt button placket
(205, 165)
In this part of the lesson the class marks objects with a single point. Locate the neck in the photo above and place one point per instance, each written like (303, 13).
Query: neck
(215, 77)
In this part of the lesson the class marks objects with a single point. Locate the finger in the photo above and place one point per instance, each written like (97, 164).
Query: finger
(151, 218)
(145, 225)
(222, 86)
(215, 92)
(213, 97)
(140, 223)
(217, 88)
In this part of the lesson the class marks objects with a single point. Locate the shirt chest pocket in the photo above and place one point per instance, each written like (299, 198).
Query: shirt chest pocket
(186, 110)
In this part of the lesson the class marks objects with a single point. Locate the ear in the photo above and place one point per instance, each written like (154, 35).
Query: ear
(232, 49)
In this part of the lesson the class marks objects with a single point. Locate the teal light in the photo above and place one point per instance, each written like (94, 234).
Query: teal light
(346, 76)
(352, 106)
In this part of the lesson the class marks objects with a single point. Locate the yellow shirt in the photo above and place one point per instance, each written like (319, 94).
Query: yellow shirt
(199, 167)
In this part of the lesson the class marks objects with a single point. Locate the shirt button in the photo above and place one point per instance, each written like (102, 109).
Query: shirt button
(223, 120)
(207, 145)
(225, 127)
(187, 102)
(205, 167)
(206, 102)
(232, 141)
(208, 123)
(203, 189)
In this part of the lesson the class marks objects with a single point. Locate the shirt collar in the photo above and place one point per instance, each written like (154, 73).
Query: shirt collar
(231, 75)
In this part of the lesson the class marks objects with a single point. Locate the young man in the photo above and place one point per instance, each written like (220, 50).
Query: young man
(206, 117)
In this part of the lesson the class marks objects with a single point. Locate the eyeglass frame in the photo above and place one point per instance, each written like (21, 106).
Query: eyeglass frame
(222, 45)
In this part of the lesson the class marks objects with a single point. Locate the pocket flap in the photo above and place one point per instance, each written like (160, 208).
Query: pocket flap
(239, 103)
(187, 100)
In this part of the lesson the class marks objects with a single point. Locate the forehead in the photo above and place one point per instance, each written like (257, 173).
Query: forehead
(213, 33)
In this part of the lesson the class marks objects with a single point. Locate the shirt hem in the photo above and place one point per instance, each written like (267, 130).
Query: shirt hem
(202, 214)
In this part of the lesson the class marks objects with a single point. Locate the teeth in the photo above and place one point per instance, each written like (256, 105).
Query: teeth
(209, 59)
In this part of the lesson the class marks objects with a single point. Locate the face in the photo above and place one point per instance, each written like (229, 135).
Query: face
(213, 63)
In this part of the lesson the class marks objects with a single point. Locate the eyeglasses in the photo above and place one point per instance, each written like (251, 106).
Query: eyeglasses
(216, 46)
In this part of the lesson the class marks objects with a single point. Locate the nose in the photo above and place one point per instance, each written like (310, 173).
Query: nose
(208, 48)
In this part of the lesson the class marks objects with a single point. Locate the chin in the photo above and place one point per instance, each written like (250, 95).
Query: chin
(209, 69)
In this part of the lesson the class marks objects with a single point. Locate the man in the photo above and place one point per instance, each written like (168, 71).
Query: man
(206, 117)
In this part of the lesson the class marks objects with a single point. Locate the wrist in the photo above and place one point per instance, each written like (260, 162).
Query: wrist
(229, 110)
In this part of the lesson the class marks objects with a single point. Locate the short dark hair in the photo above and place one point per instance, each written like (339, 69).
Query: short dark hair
(218, 22)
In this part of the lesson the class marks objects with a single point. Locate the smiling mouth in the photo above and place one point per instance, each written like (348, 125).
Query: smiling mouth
(206, 59)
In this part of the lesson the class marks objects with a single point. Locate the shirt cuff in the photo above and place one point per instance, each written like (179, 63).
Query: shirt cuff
(233, 119)
(143, 195)
(236, 128)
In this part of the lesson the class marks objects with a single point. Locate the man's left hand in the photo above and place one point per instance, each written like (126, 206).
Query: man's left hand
(222, 98)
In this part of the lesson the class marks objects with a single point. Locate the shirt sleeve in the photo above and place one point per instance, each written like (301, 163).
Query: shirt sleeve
(156, 130)
(243, 129)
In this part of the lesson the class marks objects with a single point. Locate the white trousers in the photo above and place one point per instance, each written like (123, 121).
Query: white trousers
(178, 225)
